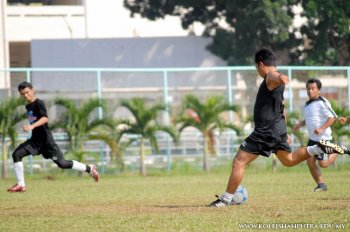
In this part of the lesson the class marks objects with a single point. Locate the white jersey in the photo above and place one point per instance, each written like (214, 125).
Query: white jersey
(316, 113)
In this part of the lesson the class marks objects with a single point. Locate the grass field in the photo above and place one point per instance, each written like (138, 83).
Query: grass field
(177, 203)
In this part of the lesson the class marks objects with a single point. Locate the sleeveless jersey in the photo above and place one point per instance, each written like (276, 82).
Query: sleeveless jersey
(270, 123)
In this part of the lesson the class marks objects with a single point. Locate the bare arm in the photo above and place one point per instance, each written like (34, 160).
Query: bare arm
(298, 125)
(344, 120)
(275, 79)
(327, 124)
(289, 139)
(38, 123)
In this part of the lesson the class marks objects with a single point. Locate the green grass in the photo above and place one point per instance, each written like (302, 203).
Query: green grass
(174, 203)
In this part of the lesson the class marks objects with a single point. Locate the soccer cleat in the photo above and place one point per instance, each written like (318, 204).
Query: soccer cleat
(320, 188)
(16, 189)
(331, 148)
(94, 173)
(345, 149)
(219, 203)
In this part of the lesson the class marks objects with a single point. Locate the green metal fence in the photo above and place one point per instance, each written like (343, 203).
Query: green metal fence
(169, 85)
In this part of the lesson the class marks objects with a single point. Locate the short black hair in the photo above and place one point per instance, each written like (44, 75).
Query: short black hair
(314, 80)
(266, 57)
(24, 84)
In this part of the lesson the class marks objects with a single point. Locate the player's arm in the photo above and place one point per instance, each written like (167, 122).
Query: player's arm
(299, 125)
(38, 123)
(275, 79)
(43, 119)
(289, 139)
(344, 120)
(329, 122)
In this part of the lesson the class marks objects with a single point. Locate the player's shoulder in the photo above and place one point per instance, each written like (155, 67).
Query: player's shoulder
(277, 77)
(324, 99)
(319, 100)
(40, 102)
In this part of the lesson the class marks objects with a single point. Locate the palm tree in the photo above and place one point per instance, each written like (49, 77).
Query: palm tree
(206, 118)
(339, 130)
(145, 126)
(10, 116)
(80, 123)
(113, 138)
(292, 119)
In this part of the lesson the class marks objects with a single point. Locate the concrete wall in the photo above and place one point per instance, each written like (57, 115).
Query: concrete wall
(158, 52)
(162, 52)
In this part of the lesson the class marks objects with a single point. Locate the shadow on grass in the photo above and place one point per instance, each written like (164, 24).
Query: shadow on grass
(180, 206)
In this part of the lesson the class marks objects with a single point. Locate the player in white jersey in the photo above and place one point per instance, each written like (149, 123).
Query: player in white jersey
(318, 118)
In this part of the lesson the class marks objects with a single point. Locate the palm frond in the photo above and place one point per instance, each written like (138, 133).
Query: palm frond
(92, 104)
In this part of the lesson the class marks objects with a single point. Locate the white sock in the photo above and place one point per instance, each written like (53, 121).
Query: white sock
(78, 166)
(226, 197)
(314, 150)
(19, 171)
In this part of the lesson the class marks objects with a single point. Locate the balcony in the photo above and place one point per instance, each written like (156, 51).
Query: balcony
(24, 23)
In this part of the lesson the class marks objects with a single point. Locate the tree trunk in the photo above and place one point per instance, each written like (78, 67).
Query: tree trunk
(142, 159)
(205, 153)
(4, 169)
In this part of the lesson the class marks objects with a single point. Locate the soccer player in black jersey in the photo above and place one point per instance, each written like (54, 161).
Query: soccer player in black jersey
(270, 132)
(41, 141)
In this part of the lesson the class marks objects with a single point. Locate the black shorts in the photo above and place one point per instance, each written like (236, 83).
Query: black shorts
(324, 156)
(264, 147)
(48, 151)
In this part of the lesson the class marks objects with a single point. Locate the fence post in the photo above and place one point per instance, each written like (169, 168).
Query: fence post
(229, 91)
(348, 71)
(100, 116)
(230, 100)
(290, 90)
(166, 117)
(28, 79)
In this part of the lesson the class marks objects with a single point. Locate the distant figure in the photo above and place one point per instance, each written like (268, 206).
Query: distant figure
(41, 141)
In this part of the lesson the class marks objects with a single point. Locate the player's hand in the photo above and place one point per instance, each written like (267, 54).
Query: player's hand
(27, 128)
(296, 127)
(318, 131)
(289, 139)
(342, 120)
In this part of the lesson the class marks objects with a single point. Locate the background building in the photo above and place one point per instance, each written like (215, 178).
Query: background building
(25, 21)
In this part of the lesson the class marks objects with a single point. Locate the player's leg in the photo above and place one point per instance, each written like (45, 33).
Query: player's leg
(240, 162)
(327, 160)
(290, 159)
(58, 158)
(316, 174)
(17, 157)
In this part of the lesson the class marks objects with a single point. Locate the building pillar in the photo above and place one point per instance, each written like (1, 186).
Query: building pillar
(4, 53)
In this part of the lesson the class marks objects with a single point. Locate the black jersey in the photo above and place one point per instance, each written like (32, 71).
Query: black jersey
(40, 135)
(270, 123)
